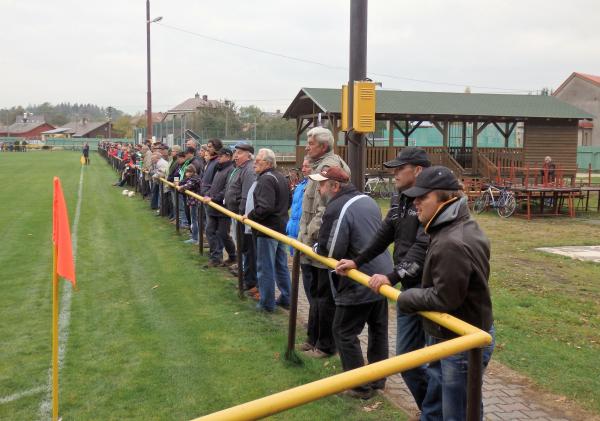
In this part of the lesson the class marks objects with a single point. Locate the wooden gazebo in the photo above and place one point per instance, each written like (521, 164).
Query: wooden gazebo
(550, 126)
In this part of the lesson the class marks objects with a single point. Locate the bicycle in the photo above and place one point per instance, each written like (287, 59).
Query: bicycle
(505, 205)
(378, 187)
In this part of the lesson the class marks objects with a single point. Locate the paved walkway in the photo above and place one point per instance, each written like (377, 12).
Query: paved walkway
(503, 399)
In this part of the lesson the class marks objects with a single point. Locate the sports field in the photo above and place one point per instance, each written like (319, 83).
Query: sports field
(151, 334)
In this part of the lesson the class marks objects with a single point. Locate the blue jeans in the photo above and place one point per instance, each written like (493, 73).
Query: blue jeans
(272, 268)
(182, 218)
(447, 384)
(410, 337)
(194, 223)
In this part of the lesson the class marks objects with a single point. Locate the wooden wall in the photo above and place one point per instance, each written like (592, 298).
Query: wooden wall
(556, 139)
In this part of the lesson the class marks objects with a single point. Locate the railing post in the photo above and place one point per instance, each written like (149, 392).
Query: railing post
(239, 227)
(474, 383)
(293, 306)
(161, 192)
(201, 219)
(177, 210)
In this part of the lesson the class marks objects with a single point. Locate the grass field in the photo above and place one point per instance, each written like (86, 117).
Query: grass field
(155, 336)
(152, 334)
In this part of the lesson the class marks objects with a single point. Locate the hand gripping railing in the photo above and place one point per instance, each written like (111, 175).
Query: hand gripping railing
(470, 339)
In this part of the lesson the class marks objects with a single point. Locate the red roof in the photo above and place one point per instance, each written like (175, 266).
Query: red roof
(590, 78)
(595, 79)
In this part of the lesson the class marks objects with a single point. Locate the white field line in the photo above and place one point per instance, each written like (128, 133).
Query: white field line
(17, 396)
(65, 313)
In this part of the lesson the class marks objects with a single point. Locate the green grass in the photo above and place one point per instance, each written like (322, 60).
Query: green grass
(152, 334)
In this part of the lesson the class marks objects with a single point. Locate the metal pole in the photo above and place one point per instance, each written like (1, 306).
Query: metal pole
(161, 192)
(149, 91)
(474, 382)
(293, 306)
(238, 242)
(201, 219)
(358, 71)
(177, 210)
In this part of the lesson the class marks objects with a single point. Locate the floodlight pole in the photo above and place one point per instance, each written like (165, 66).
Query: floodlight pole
(358, 71)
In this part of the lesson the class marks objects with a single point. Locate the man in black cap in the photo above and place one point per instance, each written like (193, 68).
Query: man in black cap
(454, 281)
(402, 227)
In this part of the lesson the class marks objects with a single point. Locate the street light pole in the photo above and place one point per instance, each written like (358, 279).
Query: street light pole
(149, 91)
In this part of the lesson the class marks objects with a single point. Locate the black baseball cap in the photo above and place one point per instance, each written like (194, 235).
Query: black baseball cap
(409, 155)
(433, 178)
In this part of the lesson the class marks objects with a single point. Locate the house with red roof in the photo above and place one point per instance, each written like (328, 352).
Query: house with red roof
(583, 91)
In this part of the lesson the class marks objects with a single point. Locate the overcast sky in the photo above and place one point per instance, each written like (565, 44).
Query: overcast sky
(95, 51)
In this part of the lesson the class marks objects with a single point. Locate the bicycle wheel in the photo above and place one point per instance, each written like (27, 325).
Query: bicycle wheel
(386, 190)
(508, 206)
(481, 203)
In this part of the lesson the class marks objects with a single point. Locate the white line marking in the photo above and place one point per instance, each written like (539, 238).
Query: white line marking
(65, 313)
(23, 394)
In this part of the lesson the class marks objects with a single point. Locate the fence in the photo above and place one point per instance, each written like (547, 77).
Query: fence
(470, 338)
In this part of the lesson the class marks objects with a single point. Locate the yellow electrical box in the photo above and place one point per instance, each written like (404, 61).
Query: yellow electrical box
(344, 127)
(363, 116)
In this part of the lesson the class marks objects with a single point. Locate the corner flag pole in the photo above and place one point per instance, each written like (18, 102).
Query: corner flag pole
(54, 333)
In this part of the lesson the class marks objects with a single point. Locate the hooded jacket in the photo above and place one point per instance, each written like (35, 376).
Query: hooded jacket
(351, 219)
(402, 227)
(217, 189)
(456, 272)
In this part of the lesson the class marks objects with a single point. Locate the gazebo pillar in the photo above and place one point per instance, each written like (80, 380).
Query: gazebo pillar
(474, 152)
(391, 132)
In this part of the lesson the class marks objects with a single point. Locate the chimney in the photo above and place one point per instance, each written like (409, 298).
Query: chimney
(205, 97)
(197, 95)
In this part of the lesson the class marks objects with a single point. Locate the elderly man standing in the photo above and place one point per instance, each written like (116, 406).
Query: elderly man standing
(350, 220)
(236, 195)
(320, 342)
(271, 203)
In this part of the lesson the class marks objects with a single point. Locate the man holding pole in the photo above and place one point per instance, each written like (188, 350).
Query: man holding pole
(401, 227)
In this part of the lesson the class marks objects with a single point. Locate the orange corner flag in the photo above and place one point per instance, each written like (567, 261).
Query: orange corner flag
(61, 235)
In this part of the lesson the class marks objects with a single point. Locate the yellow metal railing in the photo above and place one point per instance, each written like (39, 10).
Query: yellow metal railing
(469, 338)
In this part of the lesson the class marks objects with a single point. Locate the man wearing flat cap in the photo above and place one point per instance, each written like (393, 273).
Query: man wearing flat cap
(402, 228)
(236, 195)
(351, 219)
(455, 281)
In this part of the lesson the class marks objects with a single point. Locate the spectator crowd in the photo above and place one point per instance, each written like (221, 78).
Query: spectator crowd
(439, 259)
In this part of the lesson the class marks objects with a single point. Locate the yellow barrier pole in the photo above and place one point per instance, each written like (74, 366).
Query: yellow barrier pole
(471, 337)
(449, 322)
(300, 395)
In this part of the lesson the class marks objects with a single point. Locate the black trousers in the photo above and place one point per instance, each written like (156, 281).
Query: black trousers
(249, 259)
(322, 310)
(348, 323)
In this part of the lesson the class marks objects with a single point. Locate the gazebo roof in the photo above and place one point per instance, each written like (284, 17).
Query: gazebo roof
(440, 105)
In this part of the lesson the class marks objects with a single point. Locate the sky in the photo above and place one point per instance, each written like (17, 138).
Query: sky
(95, 51)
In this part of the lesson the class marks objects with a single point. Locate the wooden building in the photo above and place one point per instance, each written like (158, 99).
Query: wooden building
(550, 126)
